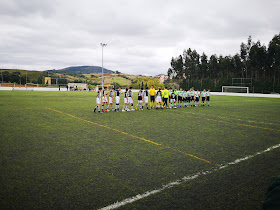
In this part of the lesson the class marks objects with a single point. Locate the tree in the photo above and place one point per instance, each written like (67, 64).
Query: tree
(16, 77)
(213, 66)
(204, 65)
(274, 57)
(6, 76)
(244, 54)
(257, 60)
(237, 66)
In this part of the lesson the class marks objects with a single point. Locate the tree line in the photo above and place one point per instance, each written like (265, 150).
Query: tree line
(254, 60)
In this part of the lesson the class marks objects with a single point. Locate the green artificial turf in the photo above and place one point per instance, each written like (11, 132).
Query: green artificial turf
(56, 153)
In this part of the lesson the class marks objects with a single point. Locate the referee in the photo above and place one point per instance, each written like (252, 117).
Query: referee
(152, 95)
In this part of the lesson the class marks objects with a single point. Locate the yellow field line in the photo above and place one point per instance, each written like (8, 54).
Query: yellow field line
(222, 121)
(13, 109)
(137, 137)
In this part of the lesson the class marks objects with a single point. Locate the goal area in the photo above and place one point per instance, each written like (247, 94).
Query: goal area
(235, 89)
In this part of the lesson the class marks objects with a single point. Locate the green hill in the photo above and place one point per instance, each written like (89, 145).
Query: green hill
(83, 70)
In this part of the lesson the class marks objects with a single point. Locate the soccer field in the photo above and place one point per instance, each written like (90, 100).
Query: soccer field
(56, 153)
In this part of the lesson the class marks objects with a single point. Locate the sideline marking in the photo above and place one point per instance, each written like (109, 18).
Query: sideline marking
(251, 121)
(146, 140)
(14, 109)
(253, 126)
(184, 179)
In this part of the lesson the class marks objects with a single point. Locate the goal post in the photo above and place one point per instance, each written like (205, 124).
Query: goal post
(235, 89)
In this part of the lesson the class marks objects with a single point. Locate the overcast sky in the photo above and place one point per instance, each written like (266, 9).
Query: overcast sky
(141, 35)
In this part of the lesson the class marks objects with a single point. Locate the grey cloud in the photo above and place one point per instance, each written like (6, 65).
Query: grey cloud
(142, 36)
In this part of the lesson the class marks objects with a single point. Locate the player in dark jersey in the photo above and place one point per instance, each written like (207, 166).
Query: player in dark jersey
(172, 100)
(146, 97)
(125, 100)
(130, 99)
(140, 99)
(118, 93)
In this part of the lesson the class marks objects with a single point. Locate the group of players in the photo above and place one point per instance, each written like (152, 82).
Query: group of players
(171, 98)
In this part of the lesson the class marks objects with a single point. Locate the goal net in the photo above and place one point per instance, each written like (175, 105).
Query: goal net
(110, 87)
(31, 85)
(235, 89)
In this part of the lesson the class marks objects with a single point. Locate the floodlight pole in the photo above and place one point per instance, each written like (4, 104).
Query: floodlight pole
(102, 45)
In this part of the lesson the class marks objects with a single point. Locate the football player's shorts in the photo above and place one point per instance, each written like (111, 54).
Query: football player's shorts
(146, 99)
(188, 99)
(117, 99)
(140, 101)
(110, 100)
(208, 98)
(152, 98)
(179, 98)
(98, 101)
(125, 100)
(203, 99)
(130, 100)
(197, 99)
(158, 99)
(104, 99)
(172, 100)
(139, 98)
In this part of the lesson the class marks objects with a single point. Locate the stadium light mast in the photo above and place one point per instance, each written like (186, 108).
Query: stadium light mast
(102, 45)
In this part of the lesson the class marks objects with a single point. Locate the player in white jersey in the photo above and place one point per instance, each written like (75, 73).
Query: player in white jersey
(146, 97)
(196, 97)
(192, 97)
(188, 98)
(111, 98)
(98, 100)
(118, 93)
(130, 99)
(140, 99)
(184, 96)
(208, 97)
(125, 100)
(203, 96)
(170, 91)
(105, 100)
(180, 97)
(158, 99)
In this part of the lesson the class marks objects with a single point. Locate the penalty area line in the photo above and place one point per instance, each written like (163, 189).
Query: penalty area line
(185, 179)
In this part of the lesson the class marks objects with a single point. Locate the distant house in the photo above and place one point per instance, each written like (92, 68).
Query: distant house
(162, 78)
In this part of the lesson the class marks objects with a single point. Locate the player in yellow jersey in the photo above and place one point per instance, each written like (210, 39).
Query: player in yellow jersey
(152, 95)
(165, 95)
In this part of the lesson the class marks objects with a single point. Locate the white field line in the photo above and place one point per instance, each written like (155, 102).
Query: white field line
(251, 121)
(184, 179)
